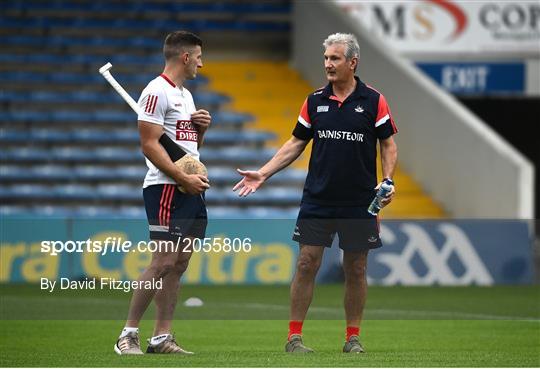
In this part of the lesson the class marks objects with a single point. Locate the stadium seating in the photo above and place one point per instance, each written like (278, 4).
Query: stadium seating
(69, 143)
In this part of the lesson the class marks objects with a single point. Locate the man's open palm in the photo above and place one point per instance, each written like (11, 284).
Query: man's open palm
(250, 183)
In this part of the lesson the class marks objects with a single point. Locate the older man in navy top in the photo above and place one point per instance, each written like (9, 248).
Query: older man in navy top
(345, 120)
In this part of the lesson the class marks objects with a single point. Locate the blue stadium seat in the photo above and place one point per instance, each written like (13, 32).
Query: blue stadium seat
(132, 59)
(230, 118)
(74, 192)
(89, 172)
(210, 98)
(92, 135)
(237, 154)
(45, 135)
(152, 6)
(105, 212)
(132, 212)
(119, 192)
(7, 96)
(114, 116)
(222, 175)
(106, 173)
(13, 210)
(25, 191)
(13, 136)
(271, 213)
(126, 80)
(119, 154)
(200, 98)
(45, 96)
(51, 173)
(10, 173)
(125, 135)
(138, 172)
(274, 196)
(21, 76)
(28, 116)
(253, 212)
(234, 156)
(29, 212)
(75, 78)
(224, 137)
(93, 97)
(71, 154)
(142, 42)
(24, 154)
(70, 116)
(22, 40)
(39, 173)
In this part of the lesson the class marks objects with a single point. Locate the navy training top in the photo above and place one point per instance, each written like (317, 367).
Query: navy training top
(342, 167)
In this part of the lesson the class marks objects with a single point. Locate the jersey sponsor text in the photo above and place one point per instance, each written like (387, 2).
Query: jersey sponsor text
(341, 135)
(185, 131)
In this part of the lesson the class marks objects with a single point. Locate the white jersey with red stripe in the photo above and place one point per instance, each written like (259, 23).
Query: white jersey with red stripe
(163, 102)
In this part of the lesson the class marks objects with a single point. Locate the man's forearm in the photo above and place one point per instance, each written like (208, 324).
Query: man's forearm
(159, 157)
(388, 158)
(200, 138)
(288, 153)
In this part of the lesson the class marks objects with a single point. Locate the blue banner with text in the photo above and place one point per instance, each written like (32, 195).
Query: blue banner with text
(261, 251)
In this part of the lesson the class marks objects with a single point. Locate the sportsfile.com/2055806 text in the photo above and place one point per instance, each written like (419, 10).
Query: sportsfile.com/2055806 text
(120, 245)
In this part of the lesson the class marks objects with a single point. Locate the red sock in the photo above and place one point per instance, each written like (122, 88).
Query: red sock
(352, 331)
(295, 327)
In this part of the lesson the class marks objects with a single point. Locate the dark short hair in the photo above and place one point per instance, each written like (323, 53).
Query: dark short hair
(176, 43)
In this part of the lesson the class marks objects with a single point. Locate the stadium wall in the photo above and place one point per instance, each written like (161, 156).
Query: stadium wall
(456, 157)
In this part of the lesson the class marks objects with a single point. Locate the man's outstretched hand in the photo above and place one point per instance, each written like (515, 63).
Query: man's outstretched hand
(250, 183)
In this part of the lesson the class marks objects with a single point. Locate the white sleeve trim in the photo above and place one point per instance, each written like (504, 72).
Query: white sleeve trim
(146, 118)
(382, 120)
(304, 122)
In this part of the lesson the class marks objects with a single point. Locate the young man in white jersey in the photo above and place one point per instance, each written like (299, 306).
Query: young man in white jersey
(168, 107)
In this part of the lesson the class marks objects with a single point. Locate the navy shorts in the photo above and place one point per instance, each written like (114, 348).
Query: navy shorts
(173, 214)
(317, 225)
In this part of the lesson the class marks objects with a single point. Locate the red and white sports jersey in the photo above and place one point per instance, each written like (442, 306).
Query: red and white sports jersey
(171, 106)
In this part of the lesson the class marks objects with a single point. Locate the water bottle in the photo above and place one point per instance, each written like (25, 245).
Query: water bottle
(385, 188)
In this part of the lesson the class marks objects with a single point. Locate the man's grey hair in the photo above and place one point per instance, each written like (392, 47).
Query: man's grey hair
(352, 49)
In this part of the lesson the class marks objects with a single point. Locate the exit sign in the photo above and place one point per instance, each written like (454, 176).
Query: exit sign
(477, 78)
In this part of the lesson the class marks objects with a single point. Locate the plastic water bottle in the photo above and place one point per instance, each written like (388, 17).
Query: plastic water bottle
(385, 188)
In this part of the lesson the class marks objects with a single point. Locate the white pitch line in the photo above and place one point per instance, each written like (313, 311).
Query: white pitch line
(259, 306)
(420, 313)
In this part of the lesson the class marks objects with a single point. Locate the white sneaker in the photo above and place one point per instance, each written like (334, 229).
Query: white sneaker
(128, 345)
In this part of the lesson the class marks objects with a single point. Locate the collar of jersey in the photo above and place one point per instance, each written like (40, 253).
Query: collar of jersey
(168, 80)
(359, 91)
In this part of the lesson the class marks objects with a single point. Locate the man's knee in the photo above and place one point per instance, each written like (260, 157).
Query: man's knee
(308, 264)
(357, 271)
(181, 266)
(162, 268)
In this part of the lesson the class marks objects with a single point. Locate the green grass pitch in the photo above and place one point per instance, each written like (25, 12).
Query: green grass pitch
(245, 326)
